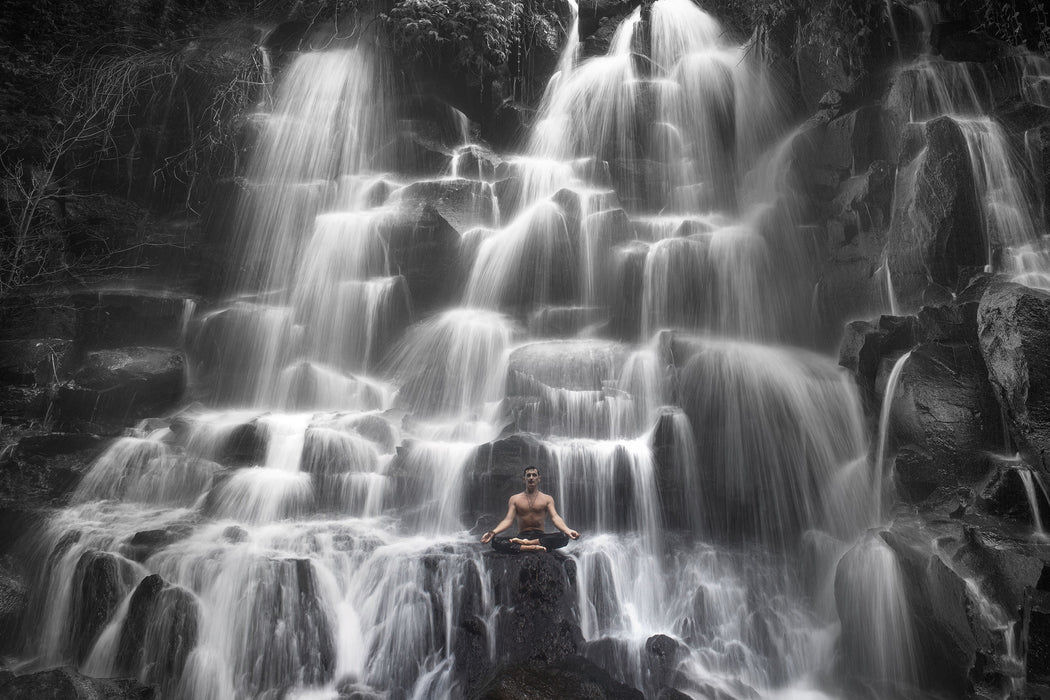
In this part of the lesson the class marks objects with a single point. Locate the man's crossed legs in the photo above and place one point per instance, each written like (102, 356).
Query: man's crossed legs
(530, 541)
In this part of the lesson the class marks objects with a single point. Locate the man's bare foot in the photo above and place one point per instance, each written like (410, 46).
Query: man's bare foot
(518, 540)
(533, 548)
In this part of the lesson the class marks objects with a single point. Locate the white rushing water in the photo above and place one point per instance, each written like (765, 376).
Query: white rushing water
(625, 307)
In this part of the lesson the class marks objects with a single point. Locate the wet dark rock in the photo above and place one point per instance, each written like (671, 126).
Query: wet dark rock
(866, 343)
(579, 365)
(235, 534)
(944, 411)
(470, 647)
(937, 220)
(939, 614)
(572, 677)
(641, 184)
(1018, 117)
(1038, 146)
(539, 621)
(39, 361)
(850, 286)
(100, 582)
(146, 543)
(424, 248)
(1035, 637)
(611, 227)
(21, 404)
(853, 141)
(592, 12)
(245, 446)
(564, 321)
(413, 154)
(463, 203)
(662, 655)
(600, 39)
(1014, 328)
(110, 319)
(38, 316)
(508, 193)
(678, 503)
(973, 47)
(124, 384)
(862, 204)
(68, 684)
(159, 631)
(571, 204)
(671, 694)
(498, 468)
(377, 429)
(292, 625)
(628, 279)
(41, 471)
(948, 323)
(508, 124)
(999, 570)
(14, 594)
(1004, 496)
(478, 163)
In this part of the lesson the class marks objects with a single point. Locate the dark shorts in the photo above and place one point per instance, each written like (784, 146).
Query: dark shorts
(550, 540)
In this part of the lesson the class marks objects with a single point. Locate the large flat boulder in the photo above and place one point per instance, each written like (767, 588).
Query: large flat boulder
(117, 318)
(124, 384)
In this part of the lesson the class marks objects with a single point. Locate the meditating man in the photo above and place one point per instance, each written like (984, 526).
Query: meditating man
(531, 507)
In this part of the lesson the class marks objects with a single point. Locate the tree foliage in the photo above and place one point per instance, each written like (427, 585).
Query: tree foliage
(471, 36)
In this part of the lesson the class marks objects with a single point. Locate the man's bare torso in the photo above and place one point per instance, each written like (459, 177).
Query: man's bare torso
(531, 510)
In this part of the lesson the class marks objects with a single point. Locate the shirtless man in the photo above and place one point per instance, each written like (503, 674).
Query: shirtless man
(531, 507)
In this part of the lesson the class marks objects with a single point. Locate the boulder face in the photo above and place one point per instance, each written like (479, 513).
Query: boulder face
(936, 225)
(938, 613)
(539, 595)
(573, 677)
(109, 319)
(424, 249)
(13, 598)
(536, 633)
(67, 684)
(124, 384)
(944, 412)
(101, 580)
(1014, 333)
(498, 469)
(159, 631)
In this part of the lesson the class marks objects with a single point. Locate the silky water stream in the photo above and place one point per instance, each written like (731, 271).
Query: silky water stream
(633, 304)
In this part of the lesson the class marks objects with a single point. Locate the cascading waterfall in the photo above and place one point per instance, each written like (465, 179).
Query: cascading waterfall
(306, 531)
(1007, 197)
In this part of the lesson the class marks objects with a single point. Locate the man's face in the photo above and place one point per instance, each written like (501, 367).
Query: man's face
(532, 478)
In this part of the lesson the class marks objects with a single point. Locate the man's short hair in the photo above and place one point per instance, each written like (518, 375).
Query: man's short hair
(530, 469)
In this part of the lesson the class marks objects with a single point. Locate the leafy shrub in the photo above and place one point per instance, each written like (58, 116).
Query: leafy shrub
(472, 36)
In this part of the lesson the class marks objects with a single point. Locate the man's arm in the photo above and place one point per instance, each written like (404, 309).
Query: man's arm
(558, 522)
(503, 524)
